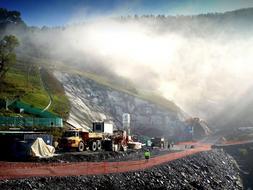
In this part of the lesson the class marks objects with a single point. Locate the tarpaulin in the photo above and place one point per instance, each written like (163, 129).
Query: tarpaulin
(40, 149)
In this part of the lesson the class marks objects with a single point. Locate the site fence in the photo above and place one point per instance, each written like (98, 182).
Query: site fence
(29, 122)
(20, 170)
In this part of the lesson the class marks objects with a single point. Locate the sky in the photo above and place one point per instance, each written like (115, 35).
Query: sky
(63, 12)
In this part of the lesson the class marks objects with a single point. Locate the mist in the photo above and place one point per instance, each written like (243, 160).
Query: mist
(202, 68)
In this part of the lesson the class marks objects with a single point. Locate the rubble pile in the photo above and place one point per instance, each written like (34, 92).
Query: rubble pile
(206, 170)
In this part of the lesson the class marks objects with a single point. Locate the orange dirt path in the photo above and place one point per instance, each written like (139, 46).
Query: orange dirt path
(14, 170)
(228, 143)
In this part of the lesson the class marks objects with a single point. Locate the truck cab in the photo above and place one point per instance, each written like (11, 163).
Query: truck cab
(72, 139)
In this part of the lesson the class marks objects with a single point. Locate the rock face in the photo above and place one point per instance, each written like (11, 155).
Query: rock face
(206, 170)
(91, 101)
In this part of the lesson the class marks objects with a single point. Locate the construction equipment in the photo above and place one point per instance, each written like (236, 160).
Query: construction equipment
(117, 141)
(159, 142)
(81, 140)
(102, 136)
(103, 127)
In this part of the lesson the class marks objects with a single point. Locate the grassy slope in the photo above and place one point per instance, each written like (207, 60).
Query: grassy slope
(30, 90)
(17, 83)
(38, 97)
(60, 102)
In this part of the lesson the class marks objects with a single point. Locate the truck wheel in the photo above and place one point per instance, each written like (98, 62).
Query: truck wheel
(99, 145)
(81, 147)
(93, 146)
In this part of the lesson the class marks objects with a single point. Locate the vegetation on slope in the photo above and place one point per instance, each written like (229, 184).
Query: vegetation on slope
(23, 81)
(28, 86)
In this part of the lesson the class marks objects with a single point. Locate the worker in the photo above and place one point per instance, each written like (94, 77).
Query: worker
(147, 155)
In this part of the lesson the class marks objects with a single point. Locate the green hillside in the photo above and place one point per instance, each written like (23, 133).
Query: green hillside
(25, 82)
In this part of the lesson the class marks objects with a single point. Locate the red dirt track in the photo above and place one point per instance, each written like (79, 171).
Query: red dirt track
(14, 170)
(229, 143)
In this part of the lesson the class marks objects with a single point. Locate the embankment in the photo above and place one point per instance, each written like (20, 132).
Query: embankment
(243, 154)
(206, 170)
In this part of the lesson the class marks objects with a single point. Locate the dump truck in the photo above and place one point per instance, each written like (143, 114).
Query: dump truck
(82, 140)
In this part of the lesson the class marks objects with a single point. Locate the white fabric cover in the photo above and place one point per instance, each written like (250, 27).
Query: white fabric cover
(134, 145)
(40, 149)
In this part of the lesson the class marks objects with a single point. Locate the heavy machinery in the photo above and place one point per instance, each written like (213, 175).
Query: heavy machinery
(159, 142)
(82, 140)
(116, 141)
(102, 136)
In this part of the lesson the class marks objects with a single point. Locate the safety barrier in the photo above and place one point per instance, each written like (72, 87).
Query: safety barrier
(22, 170)
(29, 122)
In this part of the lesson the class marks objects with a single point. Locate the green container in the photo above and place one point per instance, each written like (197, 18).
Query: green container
(32, 110)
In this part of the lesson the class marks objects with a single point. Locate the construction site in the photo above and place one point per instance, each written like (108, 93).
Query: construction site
(101, 142)
(35, 159)
(41, 140)
(114, 150)
(159, 100)
(39, 148)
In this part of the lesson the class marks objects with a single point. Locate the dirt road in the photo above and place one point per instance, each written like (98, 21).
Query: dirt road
(13, 170)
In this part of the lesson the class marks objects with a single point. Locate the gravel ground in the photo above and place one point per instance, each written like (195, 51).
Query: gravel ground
(243, 154)
(206, 170)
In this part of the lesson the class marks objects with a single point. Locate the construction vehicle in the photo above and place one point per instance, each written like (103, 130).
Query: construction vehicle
(102, 136)
(159, 142)
(82, 140)
(102, 127)
(117, 141)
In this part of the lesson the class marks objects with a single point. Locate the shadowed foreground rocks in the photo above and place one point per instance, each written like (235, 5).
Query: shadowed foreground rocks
(243, 154)
(207, 170)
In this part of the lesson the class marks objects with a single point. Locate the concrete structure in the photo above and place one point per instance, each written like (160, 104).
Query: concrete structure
(126, 123)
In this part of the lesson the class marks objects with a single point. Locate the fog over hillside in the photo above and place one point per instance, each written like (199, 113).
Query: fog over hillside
(198, 73)
(202, 63)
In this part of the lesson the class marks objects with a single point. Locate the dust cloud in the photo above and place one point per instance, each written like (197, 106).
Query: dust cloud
(201, 66)
(200, 74)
